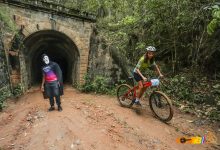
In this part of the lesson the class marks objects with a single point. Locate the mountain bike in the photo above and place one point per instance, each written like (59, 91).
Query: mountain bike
(159, 102)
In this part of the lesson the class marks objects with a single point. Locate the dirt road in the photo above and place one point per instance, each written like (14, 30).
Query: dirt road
(90, 121)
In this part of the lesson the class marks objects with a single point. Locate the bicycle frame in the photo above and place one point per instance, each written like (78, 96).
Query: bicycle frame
(145, 84)
(157, 99)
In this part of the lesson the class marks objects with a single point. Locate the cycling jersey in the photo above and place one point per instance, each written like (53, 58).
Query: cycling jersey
(143, 64)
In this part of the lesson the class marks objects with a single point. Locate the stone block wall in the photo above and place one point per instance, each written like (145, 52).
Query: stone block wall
(102, 61)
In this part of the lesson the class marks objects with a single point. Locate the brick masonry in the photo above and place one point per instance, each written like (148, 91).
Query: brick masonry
(31, 21)
(94, 58)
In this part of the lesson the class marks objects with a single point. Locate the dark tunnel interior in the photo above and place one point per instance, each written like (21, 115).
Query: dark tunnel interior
(60, 49)
(56, 56)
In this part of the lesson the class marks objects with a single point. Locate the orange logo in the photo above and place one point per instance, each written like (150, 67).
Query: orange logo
(191, 140)
(210, 138)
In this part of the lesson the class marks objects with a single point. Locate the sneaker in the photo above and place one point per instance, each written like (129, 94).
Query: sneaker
(134, 101)
(51, 108)
(138, 103)
(60, 108)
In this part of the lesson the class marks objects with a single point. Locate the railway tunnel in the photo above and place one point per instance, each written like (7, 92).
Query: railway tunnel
(60, 49)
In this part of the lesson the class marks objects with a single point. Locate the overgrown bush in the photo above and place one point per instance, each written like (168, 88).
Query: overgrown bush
(4, 93)
(195, 95)
(99, 85)
(18, 90)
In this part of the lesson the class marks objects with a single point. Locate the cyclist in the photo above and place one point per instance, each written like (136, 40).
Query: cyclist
(145, 62)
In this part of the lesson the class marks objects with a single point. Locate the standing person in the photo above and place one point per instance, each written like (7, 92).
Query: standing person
(145, 62)
(52, 82)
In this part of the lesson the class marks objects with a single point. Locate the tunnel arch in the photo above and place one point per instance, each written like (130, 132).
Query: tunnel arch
(59, 47)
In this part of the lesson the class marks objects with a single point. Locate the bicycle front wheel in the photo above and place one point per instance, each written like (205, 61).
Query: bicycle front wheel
(125, 95)
(161, 106)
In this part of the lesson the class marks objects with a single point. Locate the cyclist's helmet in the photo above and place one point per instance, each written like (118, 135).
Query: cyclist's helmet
(151, 48)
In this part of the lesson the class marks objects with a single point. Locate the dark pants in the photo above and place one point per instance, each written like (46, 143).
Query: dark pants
(52, 90)
(57, 101)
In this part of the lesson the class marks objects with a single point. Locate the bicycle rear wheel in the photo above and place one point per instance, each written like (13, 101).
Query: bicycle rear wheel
(125, 95)
(161, 106)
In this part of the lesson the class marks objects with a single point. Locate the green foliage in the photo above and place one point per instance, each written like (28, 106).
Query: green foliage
(176, 28)
(195, 95)
(212, 26)
(215, 22)
(180, 88)
(127, 21)
(98, 85)
(4, 93)
(5, 20)
(18, 90)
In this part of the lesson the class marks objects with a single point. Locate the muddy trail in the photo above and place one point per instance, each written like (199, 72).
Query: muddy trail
(90, 121)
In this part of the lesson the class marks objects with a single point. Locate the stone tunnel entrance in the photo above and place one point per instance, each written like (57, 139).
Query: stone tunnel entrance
(60, 49)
